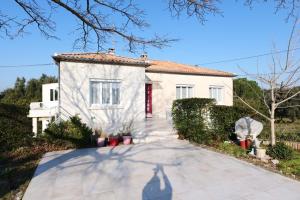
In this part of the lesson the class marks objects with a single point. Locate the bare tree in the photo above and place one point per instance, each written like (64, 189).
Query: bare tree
(279, 83)
(99, 20)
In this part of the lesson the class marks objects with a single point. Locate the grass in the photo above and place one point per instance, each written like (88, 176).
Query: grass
(17, 168)
(291, 167)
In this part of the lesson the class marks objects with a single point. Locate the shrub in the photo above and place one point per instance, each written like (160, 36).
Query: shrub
(223, 120)
(189, 119)
(15, 127)
(280, 151)
(201, 121)
(72, 131)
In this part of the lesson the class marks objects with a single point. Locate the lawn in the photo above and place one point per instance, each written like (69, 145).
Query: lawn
(289, 131)
(17, 168)
(291, 167)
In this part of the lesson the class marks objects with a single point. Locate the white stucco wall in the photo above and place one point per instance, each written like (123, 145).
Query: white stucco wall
(164, 89)
(75, 93)
(46, 94)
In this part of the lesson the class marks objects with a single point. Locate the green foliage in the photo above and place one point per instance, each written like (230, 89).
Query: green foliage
(291, 166)
(223, 120)
(289, 109)
(250, 92)
(201, 121)
(15, 127)
(72, 131)
(189, 119)
(232, 149)
(280, 151)
(24, 93)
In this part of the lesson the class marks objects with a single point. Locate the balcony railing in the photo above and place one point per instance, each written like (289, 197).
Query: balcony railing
(41, 109)
(41, 105)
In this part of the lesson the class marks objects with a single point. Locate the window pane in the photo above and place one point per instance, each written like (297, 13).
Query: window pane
(184, 92)
(95, 93)
(105, 93)
(56, 95)
(51, 94)
(177, 92)
(190, 92)
(115, 93)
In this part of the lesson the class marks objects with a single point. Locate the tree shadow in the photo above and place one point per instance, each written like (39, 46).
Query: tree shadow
(152, 190)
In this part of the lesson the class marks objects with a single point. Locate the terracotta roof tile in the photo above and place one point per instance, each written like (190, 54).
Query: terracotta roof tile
(151, 65)
(98, 58)
(172, 67)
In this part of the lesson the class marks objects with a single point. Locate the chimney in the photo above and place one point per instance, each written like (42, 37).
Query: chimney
(111, 51)
(144, 56)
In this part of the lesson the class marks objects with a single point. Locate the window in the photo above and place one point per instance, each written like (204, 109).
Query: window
(53, 95)
(184, 91)
(105, 92)
(216, 92)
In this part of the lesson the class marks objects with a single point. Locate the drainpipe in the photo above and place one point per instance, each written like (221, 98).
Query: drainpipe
(59, 99)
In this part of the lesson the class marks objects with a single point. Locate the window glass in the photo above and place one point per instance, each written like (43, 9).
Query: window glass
(105, 93)
(95, 92)
(178, 95)
(216, 93)
(115, 93)
(184, 92)
(190, 89)
(56, 95)
(51, 94)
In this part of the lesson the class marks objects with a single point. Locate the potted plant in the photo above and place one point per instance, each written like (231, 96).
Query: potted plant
(126, 138)
(113, 140)
(101, 139)
(126, 133)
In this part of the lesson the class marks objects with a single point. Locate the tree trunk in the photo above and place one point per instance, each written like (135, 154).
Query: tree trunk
(272, 121)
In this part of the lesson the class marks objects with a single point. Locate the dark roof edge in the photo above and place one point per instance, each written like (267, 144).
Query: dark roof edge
(89, 60)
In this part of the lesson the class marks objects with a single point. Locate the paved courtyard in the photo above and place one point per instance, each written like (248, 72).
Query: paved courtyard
(158, 170)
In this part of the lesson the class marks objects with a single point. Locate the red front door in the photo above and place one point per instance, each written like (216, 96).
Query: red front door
(148, 106)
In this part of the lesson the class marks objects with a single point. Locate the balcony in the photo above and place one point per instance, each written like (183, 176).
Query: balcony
(40, 109)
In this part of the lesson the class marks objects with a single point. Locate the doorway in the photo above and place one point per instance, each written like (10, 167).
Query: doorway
(148, 100)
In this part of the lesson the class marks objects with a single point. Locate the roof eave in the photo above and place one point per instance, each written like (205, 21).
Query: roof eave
(89, 60)
(190, 73)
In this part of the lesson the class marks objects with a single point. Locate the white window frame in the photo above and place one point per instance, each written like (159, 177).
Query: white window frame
(221, 100)
(100, 103)
(186, 86)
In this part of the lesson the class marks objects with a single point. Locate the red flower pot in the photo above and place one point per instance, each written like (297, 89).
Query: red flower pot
(243, 144)
(113, 141)
(248, 144)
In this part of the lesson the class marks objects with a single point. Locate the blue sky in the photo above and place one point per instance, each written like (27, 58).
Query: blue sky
(239, 32)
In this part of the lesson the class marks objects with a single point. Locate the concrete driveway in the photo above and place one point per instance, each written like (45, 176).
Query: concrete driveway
(159, 170)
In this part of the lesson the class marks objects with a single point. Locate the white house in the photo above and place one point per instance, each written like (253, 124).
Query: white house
(107, 90)
(46, 110)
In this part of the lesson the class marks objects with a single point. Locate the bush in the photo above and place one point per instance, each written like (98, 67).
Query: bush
(201, 121)
(72, 132)
(223, 120)
(280, 151)
(15, 127)
(189, 119)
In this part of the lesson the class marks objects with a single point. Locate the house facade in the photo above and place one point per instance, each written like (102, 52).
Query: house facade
(107, 90)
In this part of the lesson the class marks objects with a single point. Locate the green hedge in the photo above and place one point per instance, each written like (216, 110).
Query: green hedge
(15, 127)
(189, 119)
(200, 120)
(72, 132)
